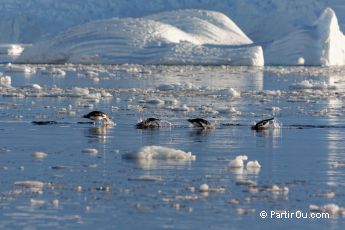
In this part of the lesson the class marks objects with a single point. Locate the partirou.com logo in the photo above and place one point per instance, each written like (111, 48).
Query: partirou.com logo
(295, 214)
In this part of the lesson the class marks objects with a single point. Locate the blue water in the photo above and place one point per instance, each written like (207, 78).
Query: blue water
(299, 155)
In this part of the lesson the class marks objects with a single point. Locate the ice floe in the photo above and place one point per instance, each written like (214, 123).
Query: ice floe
(238, 161)
(159, 153)
(332, 209)
(5, 80)
(29, 184)
(39, 155)
(311, 84)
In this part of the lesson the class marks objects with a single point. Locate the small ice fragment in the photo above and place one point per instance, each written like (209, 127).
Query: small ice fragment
(78, 92)
(253, 165)
(238, 161)
(331, 208)
(39, 155)
(90, 151)
(276, 189)
(329, 195)
(183, 108)
(159, 153)
(217, 189)
(58, 72)
(171, 102)
(55, 203)
(14, 49)
(5, 80)
(36, 86)
(35, 202)
(176, 206)
(187, 197)
(166, 87)
(78, 189)
(191, 189)
(234, 201)
(314, 208)
(204, 188)
(245, 211)
(29, 184)
(20, 68)
(229, 92)
(300, 61)
(146, 178)
(92, 74)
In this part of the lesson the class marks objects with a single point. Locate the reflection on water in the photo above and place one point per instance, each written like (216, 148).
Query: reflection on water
(152, 164)
(99, 134)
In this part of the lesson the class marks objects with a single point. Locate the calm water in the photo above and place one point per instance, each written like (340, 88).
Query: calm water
(105, 191)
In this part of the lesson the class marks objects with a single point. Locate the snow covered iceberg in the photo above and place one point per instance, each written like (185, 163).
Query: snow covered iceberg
(177, 37)
(322, 44)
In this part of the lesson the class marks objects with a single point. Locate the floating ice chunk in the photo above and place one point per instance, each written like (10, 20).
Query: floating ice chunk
(79, 92)
(310, 84)
(245, 211)
(33, 86)
(167, 87)
(79, 188)
(92, 74)
(329, 195)
(58, 72)
(11, 49)
(332, 209)
(146, 178)
(90, 151)
(217, 189)
(229, 92)
(105, 94)
(183, 108)
(338, 164)
(204, 188)
(20, 68)
(160, 153)
(5, 80)
(55, 203)
(300, 61)
(234, 201)
(229, 110)
(29, 184)
(253, 165)
(238, 161)
(276, 189)
(39, 155)
(35, 202)
(187, 197)
(171, 101)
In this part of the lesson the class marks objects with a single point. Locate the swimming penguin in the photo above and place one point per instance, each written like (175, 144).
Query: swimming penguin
(148, 123)
(264, 124)
(201, 123)
(99, 116)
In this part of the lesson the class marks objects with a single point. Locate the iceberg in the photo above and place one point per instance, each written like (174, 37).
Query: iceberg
(321, 44)
(177, 37)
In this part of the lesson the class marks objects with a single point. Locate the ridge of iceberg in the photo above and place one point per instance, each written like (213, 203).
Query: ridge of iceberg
(164, 38)
(321, 44)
